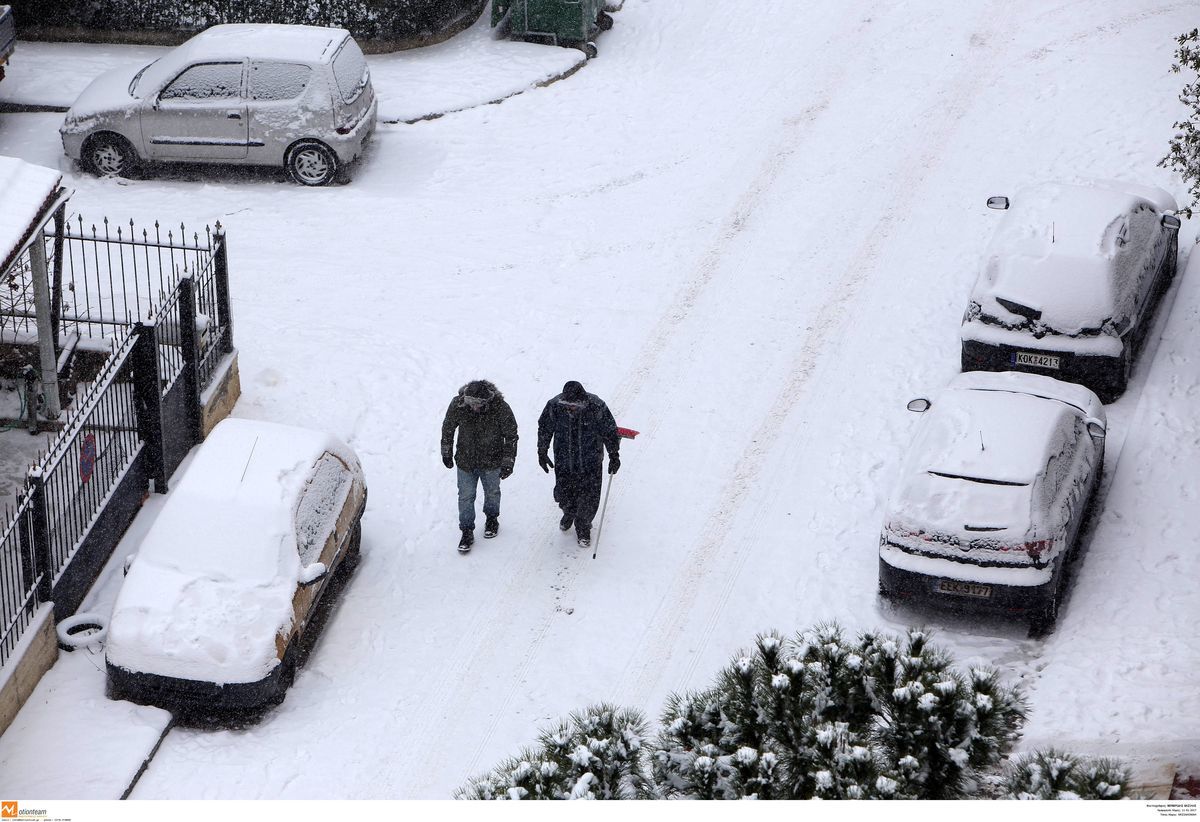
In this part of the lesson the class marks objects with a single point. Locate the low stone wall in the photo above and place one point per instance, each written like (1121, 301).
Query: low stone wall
(33, 656)
(218, 399)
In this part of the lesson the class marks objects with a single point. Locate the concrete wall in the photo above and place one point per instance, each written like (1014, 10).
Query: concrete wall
(33, 656)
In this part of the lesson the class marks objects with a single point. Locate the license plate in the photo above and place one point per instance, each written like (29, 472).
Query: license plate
(1036, 360)
(963, 589)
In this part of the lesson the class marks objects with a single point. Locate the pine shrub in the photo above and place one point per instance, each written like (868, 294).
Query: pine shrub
(1051, 774)
(814, 716)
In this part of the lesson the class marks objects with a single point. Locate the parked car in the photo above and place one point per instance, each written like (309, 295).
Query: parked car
(1071, 281)
(265, 95)
(8, 36)
(222, 589)
(992, 495)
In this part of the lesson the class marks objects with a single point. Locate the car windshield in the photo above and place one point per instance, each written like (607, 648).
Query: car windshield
(137, 77)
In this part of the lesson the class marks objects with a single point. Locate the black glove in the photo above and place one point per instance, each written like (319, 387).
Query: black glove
(505, 471)
(544, 461)
(448, 460)
(614, 464)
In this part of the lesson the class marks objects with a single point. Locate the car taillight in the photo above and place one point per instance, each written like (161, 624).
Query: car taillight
(1036, 548)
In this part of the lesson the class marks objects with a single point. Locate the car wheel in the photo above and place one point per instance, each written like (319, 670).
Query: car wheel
(311, 164)
(1118, 379)
(1044, 618)
(287, 676)
(109, 155)
(353, 552)
(1172, 264)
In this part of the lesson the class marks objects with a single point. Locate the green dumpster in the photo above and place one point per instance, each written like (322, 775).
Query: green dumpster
(571, 23)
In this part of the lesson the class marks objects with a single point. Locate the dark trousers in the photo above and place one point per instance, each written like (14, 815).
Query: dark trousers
(578, 494)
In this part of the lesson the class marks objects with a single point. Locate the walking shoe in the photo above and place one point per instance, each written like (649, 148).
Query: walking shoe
(468, 539)
(490, 527)
(584, 542)
(566, 522)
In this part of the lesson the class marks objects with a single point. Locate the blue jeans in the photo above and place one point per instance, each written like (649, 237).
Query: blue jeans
(466, 495)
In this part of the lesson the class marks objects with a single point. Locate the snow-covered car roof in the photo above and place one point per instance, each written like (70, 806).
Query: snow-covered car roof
(240, 41)
(1055, 248)
(996, 426)
(214, 577)
(26, 193)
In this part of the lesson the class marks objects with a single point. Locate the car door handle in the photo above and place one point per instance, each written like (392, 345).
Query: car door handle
(233, 115)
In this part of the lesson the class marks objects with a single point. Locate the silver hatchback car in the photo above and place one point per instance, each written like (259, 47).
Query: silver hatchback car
(264, 95)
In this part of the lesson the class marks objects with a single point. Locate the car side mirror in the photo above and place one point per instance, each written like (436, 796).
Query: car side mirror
(920, 405)
(312, 573)
(1096, 429)
(999, 203)
(1170, 222)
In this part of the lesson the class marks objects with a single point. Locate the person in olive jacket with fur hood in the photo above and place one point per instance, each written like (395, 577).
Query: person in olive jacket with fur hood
(486, 453)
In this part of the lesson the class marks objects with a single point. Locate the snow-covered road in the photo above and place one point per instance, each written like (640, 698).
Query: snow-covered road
(753, 235)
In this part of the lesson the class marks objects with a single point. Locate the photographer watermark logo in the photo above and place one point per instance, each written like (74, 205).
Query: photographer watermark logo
(8, 810)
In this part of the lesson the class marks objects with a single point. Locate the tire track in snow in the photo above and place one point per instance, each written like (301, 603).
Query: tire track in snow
(471, 664)
(670, 618)
(678, 602)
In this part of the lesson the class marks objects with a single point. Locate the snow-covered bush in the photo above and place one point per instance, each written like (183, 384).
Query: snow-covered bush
(368, 19)
(1184, 153)
(815, 716)
(1055, 775)
(876, 717)
(595, 754)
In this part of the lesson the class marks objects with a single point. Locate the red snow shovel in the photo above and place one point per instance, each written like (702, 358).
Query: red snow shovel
(625, 433)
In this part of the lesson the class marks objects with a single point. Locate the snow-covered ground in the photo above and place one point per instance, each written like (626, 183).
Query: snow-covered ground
(753, 235)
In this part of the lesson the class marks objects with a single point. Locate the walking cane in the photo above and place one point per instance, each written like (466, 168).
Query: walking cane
(600, 527)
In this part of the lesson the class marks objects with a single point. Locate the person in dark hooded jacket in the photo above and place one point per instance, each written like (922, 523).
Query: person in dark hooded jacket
(486, 453)
(581, 427)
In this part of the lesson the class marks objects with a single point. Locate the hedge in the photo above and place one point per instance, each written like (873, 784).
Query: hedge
(387, 20)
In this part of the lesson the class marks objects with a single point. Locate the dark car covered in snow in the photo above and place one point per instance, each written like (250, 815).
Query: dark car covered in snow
(8, 36)
(266, 95)
(225, 585)
(993, 494)
(1070, 282)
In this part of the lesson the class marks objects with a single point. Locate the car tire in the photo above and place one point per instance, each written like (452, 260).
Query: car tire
(109, 155)
(287, 676)
(1118, 379)
(311, 163)
(81, 631)
(1169, 268)
(353, 554)
(1046, 616)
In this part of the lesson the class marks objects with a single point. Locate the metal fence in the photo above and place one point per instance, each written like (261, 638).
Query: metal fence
(91, 455)
(19, 589)
(116, 275)
(165, 308)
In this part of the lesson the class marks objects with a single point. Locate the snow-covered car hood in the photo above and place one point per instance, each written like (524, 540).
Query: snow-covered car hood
(206, 629)
(105, 98)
